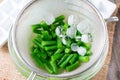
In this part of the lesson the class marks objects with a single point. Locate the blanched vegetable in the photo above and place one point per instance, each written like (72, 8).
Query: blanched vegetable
(60, 45)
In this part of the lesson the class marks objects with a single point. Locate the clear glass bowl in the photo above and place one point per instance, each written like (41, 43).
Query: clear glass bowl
(21, 35)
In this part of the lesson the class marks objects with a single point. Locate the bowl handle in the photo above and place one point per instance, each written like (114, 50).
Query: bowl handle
(112, 19)
(32, 76)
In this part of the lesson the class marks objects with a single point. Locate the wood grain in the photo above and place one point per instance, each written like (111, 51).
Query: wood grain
(114, 67)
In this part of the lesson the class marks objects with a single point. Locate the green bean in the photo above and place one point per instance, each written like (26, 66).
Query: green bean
(48, 43)
(42, 54)
(37, 31)
(66, 25)
(87, 45)
(74, 58)
(49, 54)
(63, 59)
(73, 66)
(48, 68)
(32, 48)
(50, 48)
(38, 44)
(54, 35)
(44, 25)
(59, 43)
(63, 64)
(59, 51)
(88, 53)
(36, 26)
(53, 27)
(37, 60)
(54, 67)
(68, 42)
(46, 36)
(67, 50)
(38, 38)
(59, 18)
(56, 57)
(78, 33)
(84, 58)
(79, 43)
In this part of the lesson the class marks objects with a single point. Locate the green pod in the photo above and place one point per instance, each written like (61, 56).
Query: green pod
(56, 57)
(36, 26)
(53, 27)
(41, 53)
(37, 31)
(65, 27)
(78, 33)
(50, 48)
(54, 67)
(37, 60)
(63, 64)
(79, 43)
(63, 59)
(72, 66)
(54, 35)
(74, 58)
(67, 50)
(84, 58)
(48, 68)
(59, 43)
(45, 36)
(59, 51)
(88, 53)
(38, 38)
(49, 54)
(37, 43)
(59, 19)
(87, 45)
(68, 43)
(44, 25)
(48, 43)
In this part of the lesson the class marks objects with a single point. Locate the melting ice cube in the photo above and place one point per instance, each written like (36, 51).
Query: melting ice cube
(71, 31)
(73, 19)
(81, 51)
(83, 27)
(49, 19)
(64, 40)
(85, 38)
(74, 47)
(58, 31)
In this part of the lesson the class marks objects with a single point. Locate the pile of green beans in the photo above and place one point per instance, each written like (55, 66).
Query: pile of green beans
(48, 51)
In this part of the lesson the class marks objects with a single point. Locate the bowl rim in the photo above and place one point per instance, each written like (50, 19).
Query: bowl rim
(49, 75)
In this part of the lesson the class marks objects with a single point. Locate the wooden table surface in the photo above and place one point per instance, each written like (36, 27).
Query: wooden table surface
(114, 67)
(8, 71)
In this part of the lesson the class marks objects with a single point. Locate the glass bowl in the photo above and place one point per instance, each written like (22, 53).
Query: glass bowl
(21, 35)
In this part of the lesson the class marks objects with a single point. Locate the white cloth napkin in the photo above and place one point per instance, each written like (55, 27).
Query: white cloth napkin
(10, 8)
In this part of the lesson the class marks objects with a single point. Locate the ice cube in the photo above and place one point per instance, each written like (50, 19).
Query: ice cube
(49, 19)
(81, 51)
(74, 46)
(85, 38)
(71, 31)
(64, 40)
(73, 19)
(83, 27)
(57, 31)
